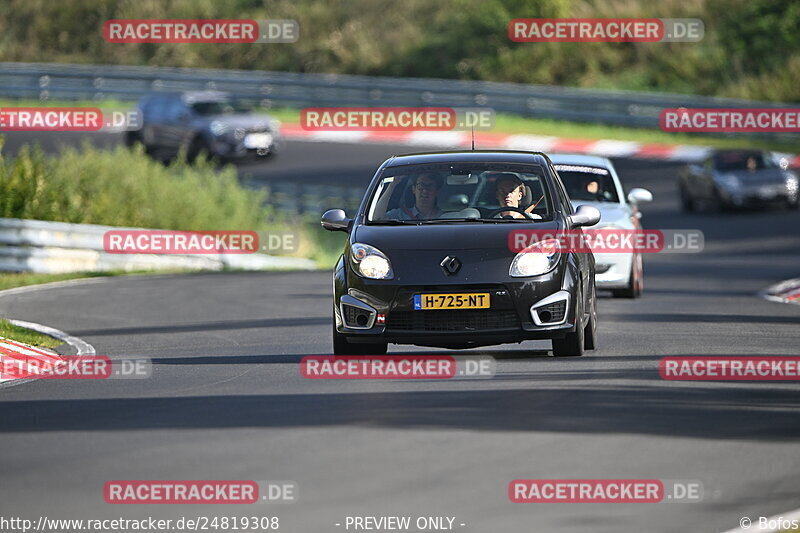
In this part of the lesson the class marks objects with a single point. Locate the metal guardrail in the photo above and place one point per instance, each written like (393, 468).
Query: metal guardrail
(311, 199)
(89, 82)
(57, 247)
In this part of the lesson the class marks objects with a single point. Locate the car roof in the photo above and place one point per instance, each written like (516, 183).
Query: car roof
(580, 159)
(505, 156)
(191, 97)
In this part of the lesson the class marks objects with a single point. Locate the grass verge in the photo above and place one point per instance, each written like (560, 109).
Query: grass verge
(27, 336)
(515, 124)
(12, 280)
(320, 245)
(510, 124)
(105, 104)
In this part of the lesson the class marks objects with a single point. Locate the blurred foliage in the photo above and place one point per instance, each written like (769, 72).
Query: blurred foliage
(751, 47)
(122, 187)
(125, 187)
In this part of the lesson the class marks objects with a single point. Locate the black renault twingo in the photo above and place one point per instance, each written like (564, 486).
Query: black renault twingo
(428, 260)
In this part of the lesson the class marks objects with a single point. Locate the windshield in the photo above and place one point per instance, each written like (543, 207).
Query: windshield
(460, 193)
(589, 184)
(213, 108)
(732, 161)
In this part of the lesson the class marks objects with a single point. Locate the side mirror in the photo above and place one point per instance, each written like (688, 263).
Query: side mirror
(585, 215)
(638, 195)
(336, 220)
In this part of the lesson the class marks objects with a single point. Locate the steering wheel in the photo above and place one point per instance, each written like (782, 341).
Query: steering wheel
(509, 208)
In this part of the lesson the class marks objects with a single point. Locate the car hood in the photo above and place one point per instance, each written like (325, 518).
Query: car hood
(610, 213)
(244, 121)
(760, 177)
(445, 237)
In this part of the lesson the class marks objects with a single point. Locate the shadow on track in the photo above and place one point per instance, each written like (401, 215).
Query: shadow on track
(709, 412)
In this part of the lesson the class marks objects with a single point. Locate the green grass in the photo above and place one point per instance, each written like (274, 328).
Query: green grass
(515, 124)
(122, 187)
(509, 124)
(324, 247)
(751, 48)
(11, 280)
(106, 104)
(27, 336)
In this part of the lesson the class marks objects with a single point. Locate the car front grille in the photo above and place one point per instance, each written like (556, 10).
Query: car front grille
(453, 320)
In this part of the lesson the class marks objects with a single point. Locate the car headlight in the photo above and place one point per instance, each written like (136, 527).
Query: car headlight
(729, 181)
(537, 259)
(369, 262)
(791, 181)
(218, 128)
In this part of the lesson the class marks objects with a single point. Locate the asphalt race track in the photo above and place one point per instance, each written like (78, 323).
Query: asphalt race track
(227, 401)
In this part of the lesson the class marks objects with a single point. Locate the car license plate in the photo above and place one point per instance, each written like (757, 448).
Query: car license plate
(257, 140)
(472, 300)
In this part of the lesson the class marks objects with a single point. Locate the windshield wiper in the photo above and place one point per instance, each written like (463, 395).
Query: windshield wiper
(448, 220)
(525, 220)
(394, 222)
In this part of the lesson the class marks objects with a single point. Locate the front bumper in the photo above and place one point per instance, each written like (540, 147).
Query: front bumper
(613, 271)
(759, 195)
(519, 310)
(232, 148)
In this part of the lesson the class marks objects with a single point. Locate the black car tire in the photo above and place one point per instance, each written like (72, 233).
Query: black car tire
(342, 347)
(687, 202)
(590, 333)
(132, 138)
(196, 147)
(717, 204)
(634, 288)
(572, 345)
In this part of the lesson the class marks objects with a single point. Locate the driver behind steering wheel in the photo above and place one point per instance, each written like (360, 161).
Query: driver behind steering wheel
(509, 190)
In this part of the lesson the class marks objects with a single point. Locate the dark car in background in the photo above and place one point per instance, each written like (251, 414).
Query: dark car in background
(737, 178)
(450, 278)
(207, 122)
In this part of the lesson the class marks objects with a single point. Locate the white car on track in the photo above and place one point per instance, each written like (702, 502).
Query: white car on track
(593, 180)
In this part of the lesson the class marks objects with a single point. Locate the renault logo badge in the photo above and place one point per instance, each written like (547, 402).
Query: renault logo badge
(450, 265)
